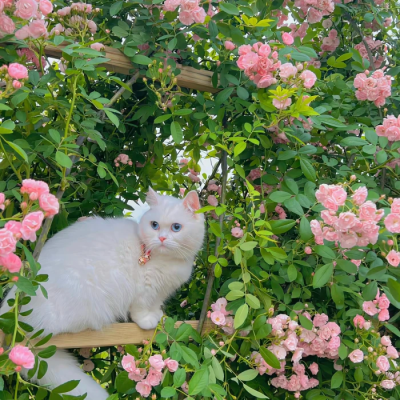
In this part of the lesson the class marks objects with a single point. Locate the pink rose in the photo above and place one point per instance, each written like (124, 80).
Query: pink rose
(346, 221)
(157, 362)
(287, 70)
(212, 200)
(172, 365)
(367, 211)
(248, 61)
(92, 26)
(309, 78)
(45, 6)
(97, 46)
(383, 315)
(245, 49)
(23, 33)
(297, 355)
(237, 232)
(31, 223)
(138, 374)
(383, 363)
(334, 343)
(37, 28)
(385, 341)
(199, 15)
(392, 223)
(356, 356)
(128, 363)
(143, 388)
(229, 45)
(287, 38)
(308, 250)
(63, 12)
(6, 24)
(338, 194)
(184, 303)
(8, 243)
(14, 227)
(218, 318)
(392, 352)
(282, 104)
(154, 377)
(49, 203)
(26, 9)
(291, 342)
(316, 228)
(171, 5)
(189, 5)
(388, 384)
(348, 240)
(11, 262)
(360, 195)
(320, 320)
(328, 218)
(383, 302)
(359, 321)
(314, 368)
(396, 206)
(279, 351)
(17, 71)
(22, 356)
(370, 308)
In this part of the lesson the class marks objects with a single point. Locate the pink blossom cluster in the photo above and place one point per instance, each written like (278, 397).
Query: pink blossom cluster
(281, 212)
(392, 221)
(374, 87)
(330, 43)
(122, 159)
(374, 46)
(221, 317)
(237, 231)
(31, 222)
(147, 379)
(190, 10)
(378, 306)
(29, 56)
(29, 10)
(13, 77)
(22, 357)
(390, 128)
(192, 174)
(358, 227)
(291, 339)
(315, 10)
(213, 187)
(299, 31)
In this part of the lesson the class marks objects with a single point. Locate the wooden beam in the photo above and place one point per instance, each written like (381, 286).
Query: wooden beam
(111, 335)
(189, 77)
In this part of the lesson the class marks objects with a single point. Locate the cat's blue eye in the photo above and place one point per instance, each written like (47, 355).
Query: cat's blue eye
(155, 225)
(176, 227)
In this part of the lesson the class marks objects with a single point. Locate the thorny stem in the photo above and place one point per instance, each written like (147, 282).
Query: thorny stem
(211, 274)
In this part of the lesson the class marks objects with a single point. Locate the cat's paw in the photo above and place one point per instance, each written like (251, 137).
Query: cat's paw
(150, 320)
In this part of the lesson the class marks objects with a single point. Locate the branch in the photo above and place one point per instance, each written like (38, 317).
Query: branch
(211, 275)
(214, 171)
(60, 192)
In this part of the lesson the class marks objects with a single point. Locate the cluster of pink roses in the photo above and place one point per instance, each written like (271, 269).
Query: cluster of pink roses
(221, 317)
(192, 174)
(74, 19)
(374, 87)
(122, 159)
(378, 306)
(237, 231)
(315, 9)
(350, 229)
(22, 357)
(374, 46)
(28, 10)
(31, 223)
(190, 10)
(13, 76)
(147, 379)
(390, 128)
(289, 337)
(330, 43)
(392, 221)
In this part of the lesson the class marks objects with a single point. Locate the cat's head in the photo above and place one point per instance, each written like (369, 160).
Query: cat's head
(171, 226)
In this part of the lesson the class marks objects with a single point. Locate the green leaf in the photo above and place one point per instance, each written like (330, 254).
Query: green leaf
(123, 383)
(279, 197)
(322, 276)
(18, 150)
(218, 371)
(66, 387)
(241, 315)
(352, 141)
(270, 358)
(369, 291)
(19, 98)
(252, 301)
(347, 266)
(337, 295)
(359, 375)
(239, 148)
(179, 377)
(255, 393)
(305, 322)
(242, 93)
(183, 332)
(292, 273)
(116, 8)
(63, 159)
(224, 94)
(198, 382)
(325, 251)
(229, 8)
(167, 392)
(112, 117)
(190, 356)
(330, 121)
(176, 132)
(394, 288)
(294, 206)
(308, 170)
(337, 379)
(248, 375)
(183, 111)
(281, 225)
(305, 229)
(47, 353)
(393, 329)
(26, 286)
(141, 59)
(247, 246)
(162, 118)
(42, 369)
(343, 351)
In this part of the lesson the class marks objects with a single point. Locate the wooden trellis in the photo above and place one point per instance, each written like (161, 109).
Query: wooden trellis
(189, 77)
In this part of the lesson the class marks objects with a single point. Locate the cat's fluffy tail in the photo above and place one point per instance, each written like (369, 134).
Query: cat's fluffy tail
(63, 367)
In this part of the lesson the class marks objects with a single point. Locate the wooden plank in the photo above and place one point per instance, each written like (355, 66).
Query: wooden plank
(189, 77)
(111, 335)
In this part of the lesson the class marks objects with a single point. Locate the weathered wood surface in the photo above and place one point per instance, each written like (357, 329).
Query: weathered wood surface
(112, 335)
(189, 77)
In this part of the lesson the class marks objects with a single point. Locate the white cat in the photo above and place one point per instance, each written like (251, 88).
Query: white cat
(95, 277)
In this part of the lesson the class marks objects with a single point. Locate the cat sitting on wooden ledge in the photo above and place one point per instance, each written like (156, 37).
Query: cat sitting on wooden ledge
(101, 270)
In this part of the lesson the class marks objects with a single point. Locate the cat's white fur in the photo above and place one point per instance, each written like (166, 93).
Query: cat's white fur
(95, 278)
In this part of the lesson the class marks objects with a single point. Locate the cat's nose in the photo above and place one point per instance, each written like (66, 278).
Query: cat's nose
(162, 238)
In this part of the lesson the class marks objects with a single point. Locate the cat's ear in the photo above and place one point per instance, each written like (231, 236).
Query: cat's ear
(152, 197)
(191, 202)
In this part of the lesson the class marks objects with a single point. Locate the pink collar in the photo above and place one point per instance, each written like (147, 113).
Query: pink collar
(145, 255)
